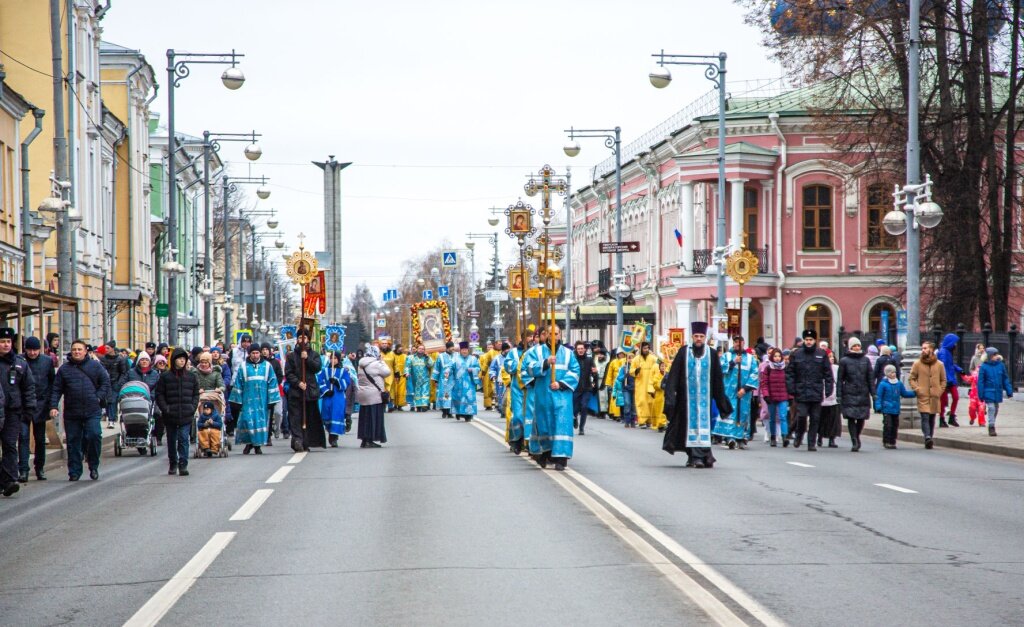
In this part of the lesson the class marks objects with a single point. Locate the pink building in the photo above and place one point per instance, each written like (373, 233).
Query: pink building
(812, 216)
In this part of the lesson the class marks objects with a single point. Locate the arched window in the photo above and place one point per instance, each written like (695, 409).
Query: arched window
(875, 316)
(819, 318)
(817, 217)
(879, 203)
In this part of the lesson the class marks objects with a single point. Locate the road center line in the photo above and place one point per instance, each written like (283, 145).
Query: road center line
(165, 598)
(297, 457)
(280, 474)
(896, 488)
(249, 508)
(715, 609)
(800, 465)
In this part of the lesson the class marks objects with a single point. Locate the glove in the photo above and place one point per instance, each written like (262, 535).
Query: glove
(328, 393)
(336, 383)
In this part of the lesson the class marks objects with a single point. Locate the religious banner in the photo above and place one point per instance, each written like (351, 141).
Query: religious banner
(314, 301)
(431, 325)
(676, 340)
(334, 337)
(288, 332)
(626, 342)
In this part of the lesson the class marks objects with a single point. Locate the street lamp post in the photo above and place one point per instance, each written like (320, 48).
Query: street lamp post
(230, 185)
(493, 241)
(613, 140)
(714, 71)
(178, 69)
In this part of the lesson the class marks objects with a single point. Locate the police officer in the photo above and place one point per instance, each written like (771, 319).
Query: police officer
(19, 406)
(43, 374)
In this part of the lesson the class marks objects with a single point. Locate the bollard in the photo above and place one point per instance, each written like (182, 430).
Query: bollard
(986, 331)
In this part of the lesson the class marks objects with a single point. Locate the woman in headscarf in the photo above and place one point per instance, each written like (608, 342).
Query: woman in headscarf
(372, 372)
(334, 381)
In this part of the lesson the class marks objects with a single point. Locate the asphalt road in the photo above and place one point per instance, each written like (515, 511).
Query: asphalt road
(443, 526)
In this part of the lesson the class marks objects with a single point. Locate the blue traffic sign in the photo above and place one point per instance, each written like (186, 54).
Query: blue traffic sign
(442, 291)
(428, 294)
(448, 259)
(394, 295)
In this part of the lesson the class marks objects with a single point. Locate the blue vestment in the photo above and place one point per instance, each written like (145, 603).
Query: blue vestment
(255, 388)
(521, 421)
(444, 376)
(334, 383)
(698, 383)
(466, 376)
(552, 417)
(745, 375)
(417, 369)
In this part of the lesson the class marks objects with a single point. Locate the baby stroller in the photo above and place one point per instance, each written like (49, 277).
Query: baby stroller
(217, 398)
(135, 419)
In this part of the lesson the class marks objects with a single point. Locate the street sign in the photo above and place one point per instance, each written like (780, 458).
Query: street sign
(533, 293)
(392, 295)
(382, 322)
(442, 291)
(428, 294)
(495, 296)
(162, 310)
(884, 326)
(449, 259)
(902, 327)
(385, 297)
(619, 247)
(473, 314)
(474, 336)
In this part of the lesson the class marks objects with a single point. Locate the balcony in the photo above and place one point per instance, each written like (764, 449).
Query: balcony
(702, 259)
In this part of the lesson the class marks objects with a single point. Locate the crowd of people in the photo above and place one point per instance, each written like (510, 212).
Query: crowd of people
(254, 393)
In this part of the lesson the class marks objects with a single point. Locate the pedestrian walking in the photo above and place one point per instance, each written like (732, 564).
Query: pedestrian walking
(43, 374)
(978, 357)
(831, 424)
(552, 377)
(117, 369)
(584, 391)
(85, 386)
(254, 390)
(993, 380)
(888, 395)
(809, 380)
(975, 406)
(444, 378)
(854, 389)
(466, 373)
(740, 376)
(334, 381)
(885, 359)
(625, 393)
(301, 367)
(177, 396)
(601, 366)
(417, 374)
(952, 392)
(275, 426)
(928, 381)
(775, 395)
(520, 413)
(372, 373)
(19, 407)
(644, 369)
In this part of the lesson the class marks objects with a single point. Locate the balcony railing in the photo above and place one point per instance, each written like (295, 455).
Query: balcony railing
(604, 280)
(702, 259)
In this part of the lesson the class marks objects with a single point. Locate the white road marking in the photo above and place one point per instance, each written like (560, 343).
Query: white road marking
(165, 598)
(249, 508)
(800, 465)
(889, 486)
(715, 609)
(281, 473)
(297, 457)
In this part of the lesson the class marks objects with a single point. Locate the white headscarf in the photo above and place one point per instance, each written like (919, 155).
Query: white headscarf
(372, 352)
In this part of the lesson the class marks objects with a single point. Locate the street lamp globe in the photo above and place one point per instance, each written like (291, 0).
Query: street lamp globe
(263, 327)
(470, 245)
(263, 192)
(571, 149)
(492, 221)
(660, 77)
(929, 214)
(253, 151)
(272, 223)
(233, 78)
(421, 282)
(895, 222)
(279, 243)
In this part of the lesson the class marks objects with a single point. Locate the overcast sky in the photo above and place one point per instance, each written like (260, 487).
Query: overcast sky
(443, 106)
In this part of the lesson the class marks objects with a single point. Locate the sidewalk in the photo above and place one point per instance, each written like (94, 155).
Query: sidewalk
(1009, 426)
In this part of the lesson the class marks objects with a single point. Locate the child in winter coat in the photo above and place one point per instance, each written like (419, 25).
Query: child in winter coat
(993, 380)
(887, 402)
(208, 425)
(976, 408)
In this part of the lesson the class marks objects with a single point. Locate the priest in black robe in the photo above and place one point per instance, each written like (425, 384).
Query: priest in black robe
(300, 370)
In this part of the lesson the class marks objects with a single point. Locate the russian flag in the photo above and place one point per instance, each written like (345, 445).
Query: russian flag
(679, 238)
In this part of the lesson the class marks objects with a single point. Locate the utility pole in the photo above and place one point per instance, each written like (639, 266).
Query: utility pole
(68, 324)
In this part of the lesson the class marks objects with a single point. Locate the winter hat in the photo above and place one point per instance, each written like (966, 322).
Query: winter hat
(143, 355)
(159, 359)
(886, 350)
(853, 341)
(991, 351)
(209, 405)
(33, 344)
(890, 370)
(872, 350)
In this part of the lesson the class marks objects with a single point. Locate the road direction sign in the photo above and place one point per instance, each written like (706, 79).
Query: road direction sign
(442, 291)
(449, 259)
(428, 294)
(495, 296)
(473, 314)
(619, 247)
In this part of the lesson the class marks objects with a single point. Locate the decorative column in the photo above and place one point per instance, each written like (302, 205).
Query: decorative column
(688, 226)
(736, 212)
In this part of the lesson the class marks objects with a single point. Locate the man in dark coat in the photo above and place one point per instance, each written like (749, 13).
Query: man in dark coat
(585, 388)
(809, 380)
(117, 370)
(43, 374)
(177, 396)
(301, 367)
(692, 383)
(19, 393)
(85, 387)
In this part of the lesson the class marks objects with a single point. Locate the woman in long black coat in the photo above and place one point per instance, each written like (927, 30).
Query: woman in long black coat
(300, 369)
(854, 390)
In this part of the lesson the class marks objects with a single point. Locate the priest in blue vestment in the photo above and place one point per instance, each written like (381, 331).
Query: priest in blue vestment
(551, 439)
(466, 373)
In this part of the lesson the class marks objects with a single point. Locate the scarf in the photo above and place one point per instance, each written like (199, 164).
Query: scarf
(777, 366)
(204, 368)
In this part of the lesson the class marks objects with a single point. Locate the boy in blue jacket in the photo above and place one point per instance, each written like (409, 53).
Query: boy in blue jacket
(208, 425)
(887, 401)
(992, 382)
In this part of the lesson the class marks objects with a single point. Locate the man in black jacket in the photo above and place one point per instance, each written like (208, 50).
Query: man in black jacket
(85, 387)
(808, 380)
(117, 370)
(177, 396)
(43, 374)
(19, 405)
(300, 370)
(584, 389)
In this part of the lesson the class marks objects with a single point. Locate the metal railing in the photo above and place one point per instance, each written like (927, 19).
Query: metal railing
(702, 259)
(604, 281)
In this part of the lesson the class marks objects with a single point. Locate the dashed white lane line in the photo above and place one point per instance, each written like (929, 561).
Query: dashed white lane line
(703, 598)
(165, 598)
(249, 508)
(800, 465)
(297, 457)
(280, 474)
(896, 488)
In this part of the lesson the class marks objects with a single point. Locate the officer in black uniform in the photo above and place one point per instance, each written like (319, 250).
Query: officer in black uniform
(19, 392)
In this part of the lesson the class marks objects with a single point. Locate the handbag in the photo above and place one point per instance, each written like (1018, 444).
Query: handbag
(385, 397)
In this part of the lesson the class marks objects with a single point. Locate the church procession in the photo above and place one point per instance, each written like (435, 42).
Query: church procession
(769, 336)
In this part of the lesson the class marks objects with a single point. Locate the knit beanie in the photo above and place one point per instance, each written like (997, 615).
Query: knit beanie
(890, 370)
(991, 350)
(853, 341)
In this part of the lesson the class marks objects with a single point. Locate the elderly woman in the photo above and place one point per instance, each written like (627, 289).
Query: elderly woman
(371, 372)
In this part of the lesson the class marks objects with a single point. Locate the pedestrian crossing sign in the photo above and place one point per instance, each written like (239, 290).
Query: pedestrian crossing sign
(448, 259)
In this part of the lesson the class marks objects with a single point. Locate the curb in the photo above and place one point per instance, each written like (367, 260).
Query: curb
(963, 445)
(57, 458)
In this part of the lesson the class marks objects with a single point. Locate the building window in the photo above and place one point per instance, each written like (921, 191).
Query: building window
(817, 222)
(879, 203)
(819, 318)
(750, 217)
(875, 316)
